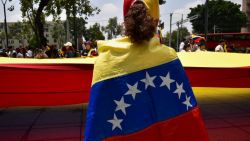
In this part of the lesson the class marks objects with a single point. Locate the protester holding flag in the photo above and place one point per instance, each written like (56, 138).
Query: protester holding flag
(140, 91)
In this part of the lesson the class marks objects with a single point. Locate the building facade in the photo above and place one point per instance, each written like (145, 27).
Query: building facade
(15, 43)
(246, 10)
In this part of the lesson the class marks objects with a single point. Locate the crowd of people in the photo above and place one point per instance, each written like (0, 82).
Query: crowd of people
(191, 46)
(88, 49)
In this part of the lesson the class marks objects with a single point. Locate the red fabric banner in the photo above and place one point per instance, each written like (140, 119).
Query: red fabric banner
(44, 84)
(66, 84)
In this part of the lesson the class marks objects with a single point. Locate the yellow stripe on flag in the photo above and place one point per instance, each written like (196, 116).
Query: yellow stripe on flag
(119, 57)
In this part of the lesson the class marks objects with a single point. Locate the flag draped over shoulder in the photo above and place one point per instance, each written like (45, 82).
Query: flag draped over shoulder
(141, 93)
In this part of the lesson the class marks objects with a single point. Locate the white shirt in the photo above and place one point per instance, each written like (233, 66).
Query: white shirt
(219, 48)
(29, 53)
(181, 46)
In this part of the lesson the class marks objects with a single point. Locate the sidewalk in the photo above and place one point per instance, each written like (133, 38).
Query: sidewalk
(227, 118)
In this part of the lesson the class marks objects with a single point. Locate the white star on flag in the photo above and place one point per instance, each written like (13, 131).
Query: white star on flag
(116, 123)
(121, 105)
(166, 81)
(187, 102)
(148, 80)
(133, 90)
(179, 90)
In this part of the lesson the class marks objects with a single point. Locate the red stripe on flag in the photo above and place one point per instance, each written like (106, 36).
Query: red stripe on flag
(187, 127)
(44, 84)
(219, 77)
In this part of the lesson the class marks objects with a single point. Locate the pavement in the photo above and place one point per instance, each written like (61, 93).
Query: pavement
(227, 118)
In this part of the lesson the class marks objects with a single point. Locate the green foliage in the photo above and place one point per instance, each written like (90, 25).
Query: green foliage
(225, 15)
(80, 24)
(183, 31)
(36, 11)
(162, 2)
(113, 29)
(94, 33)
(58, 32)
(2, 38)
(21, 31)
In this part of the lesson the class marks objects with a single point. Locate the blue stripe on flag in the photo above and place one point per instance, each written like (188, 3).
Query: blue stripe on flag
(133, 102)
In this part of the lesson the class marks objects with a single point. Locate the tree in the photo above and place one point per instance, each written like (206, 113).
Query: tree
(224, 15)
(80, 24)
(58, 32)
(21, 31)
(94, 33)
(162, 2)
(36, 16)
(182, 30)
(113, 29)
(2, 38)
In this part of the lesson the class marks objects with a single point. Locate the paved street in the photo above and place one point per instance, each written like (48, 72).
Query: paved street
(227, 118)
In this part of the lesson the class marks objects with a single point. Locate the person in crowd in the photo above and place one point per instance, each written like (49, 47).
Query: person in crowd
(70, 51)
(19, 53)
(29, 53)
(142, 86)
(3, 53)
(62, 51)
(187, 47)
(89, 50)
(220, 46)
(41, 54)
(201, 47)
(182, 44)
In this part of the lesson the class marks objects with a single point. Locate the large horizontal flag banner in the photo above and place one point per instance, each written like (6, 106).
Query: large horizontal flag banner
(151, 104)
(44, 84)
(52, 82)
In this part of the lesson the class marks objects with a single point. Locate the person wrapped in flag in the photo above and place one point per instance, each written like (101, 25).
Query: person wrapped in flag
(140, 91)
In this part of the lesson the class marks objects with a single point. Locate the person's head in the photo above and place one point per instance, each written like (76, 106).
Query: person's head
(88, 45)
(187, 47)
(140, 19)
(68, 45)
(222, 42)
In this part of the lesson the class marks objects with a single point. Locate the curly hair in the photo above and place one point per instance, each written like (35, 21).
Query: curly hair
(139, 25)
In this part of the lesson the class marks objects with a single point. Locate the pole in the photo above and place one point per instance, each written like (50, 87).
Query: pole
(75, 31)
(5, 25)
(67, 29)
(181, 27)
(206, 18)
(214, 28)
(170, 32)
(178, 34)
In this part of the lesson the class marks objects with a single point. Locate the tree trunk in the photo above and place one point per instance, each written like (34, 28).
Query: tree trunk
(42, 42)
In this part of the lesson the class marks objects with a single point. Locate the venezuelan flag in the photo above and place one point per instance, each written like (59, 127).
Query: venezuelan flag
(141, 93)
(197, 38)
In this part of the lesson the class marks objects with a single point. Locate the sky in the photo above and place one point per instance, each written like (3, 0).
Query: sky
(114, 8)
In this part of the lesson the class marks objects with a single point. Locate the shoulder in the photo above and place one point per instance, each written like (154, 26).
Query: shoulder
(120, 56)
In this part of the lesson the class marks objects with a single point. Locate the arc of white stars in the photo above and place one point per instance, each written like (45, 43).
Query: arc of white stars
(116, 123)
(166, 81)
(133, 90)
(179, 90)
(121, 105)
(149, 81)
(187, 102)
